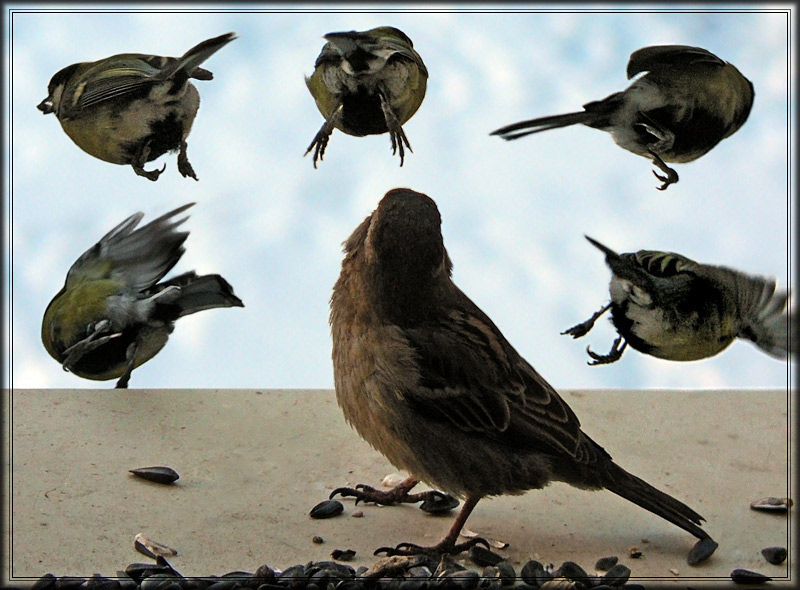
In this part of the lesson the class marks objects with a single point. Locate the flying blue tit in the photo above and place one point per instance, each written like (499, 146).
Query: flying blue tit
(686, 103)
(668, 306)
(113, 314)
(367, 83)
(132, 108)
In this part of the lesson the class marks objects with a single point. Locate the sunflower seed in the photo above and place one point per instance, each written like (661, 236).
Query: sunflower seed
(158, 474)
(343, 554)
(327, 509)
(438, 503)
(742, 576)
(701, 551)
(606, 563)
(774, 555)
(772, 504)
(483, 557)
(617, 575)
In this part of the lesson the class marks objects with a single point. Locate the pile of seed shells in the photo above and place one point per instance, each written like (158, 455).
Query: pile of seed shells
(419, 572)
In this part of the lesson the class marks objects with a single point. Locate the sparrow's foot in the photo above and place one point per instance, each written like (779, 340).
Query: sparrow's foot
(445, 547)
(613, 355)
(397, 495)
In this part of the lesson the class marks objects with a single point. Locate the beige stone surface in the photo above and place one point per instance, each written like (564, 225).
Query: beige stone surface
(253, 463)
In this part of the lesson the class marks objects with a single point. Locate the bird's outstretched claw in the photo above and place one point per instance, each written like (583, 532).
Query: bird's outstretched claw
(613, 355)
(445, 547)
(397, 495)
(583, 328)
(671, 176)
(184, 167)
(141, 160)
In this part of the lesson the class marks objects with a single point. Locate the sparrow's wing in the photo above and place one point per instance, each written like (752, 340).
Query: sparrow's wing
(659, 57)
(471, 376)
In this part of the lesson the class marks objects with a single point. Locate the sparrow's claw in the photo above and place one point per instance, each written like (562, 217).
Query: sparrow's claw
(445, 547)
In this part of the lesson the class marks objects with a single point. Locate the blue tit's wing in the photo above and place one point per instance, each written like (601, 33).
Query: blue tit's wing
(660, 57)
(114, 78)
(134, 258)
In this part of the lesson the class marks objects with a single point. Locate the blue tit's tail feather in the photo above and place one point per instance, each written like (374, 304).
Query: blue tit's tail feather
(195, 56)
(197, 293)
(765, 314)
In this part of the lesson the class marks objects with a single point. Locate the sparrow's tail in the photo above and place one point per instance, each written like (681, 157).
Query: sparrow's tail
(642, 493)
(190, 60)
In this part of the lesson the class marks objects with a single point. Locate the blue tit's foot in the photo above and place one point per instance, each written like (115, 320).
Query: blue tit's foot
(396, 133)
(141, 160)
(320, 141)
(583, 328)
(613, 356)
(184, 167)
(671, 176)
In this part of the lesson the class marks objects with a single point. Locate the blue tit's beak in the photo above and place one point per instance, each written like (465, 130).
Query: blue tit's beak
(46, 106)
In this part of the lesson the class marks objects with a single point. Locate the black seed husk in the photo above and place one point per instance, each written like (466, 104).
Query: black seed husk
(483, 557)
(439, 503)
(743, 576)
(617, 575)
(701, 551)
(157, 473)
(327, 509)
(606, 563)
(774, 555)
(46, 581)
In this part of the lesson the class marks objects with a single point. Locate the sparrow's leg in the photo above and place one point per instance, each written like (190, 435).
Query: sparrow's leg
(94, 339)
(613, 356)
(396, 132)
(671, 176)
(141, 159)
(130, 356)
(184, 167)
(320, 141)
(447, 545)
(583, 328)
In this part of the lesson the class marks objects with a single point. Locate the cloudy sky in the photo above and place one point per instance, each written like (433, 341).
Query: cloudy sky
(514, 213)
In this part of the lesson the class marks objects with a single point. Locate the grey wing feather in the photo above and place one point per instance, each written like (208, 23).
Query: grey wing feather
(661, 56)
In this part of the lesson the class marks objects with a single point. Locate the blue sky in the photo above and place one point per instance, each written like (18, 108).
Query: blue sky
(514, 213)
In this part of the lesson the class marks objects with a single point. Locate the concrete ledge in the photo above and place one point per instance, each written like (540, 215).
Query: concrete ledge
(254, 462)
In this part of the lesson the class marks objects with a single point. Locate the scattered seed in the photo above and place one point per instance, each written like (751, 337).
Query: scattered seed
(343, 554)
(46, 581)
(674, 571)
(558, 584)
(419, 571)
(774, 555)
(606, 563)
(493, 542)
(357, 514)
(533, 573)
(438, 503)
(327, 509)
(393, 480)
(483, 557)
(634, 552)
(701, 551)
(158, 474)
(617, 575)
(465, 579)
(571, 571)
(742, 576)
(152, 548)
(317, 539)
(772, 504)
